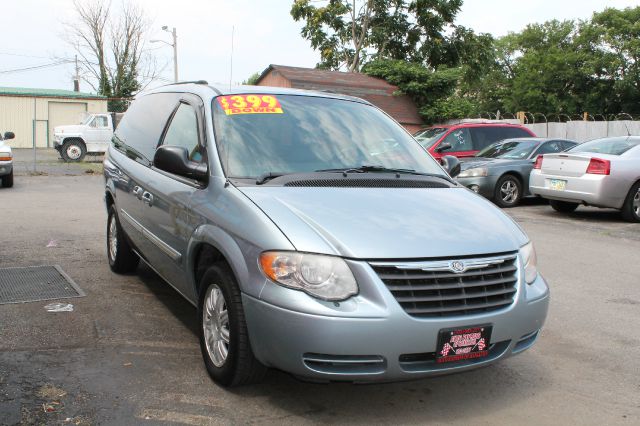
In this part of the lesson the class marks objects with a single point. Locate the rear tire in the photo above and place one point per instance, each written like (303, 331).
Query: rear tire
(631, 207)
(7, 181)
(73, 150)
(508, 192)
(122, 259)
(563, 206)
(224, 339)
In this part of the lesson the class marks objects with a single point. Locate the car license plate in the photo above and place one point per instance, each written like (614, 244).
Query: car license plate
(556, 184)
(456, 344)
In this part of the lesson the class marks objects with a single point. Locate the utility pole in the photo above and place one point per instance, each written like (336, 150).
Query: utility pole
(175, 54)
(76, 80)
(233, 29)
(174, 35)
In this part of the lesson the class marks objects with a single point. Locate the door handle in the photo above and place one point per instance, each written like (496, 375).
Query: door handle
(137, 191)
(147, 198)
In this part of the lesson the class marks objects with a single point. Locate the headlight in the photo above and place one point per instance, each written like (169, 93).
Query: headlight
(5, 156)
(477, 172)
(324, 277)
(530, 261)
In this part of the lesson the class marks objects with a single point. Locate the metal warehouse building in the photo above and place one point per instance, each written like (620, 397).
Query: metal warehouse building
(32, 114)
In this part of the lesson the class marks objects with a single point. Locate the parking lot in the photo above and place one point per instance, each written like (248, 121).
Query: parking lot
(128, 353)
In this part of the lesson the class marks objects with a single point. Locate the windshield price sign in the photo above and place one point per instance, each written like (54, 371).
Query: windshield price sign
(250, 104)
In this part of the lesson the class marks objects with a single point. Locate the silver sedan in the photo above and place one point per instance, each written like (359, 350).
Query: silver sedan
(602, 173)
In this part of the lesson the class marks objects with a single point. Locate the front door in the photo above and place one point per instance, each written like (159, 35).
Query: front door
(166, 200)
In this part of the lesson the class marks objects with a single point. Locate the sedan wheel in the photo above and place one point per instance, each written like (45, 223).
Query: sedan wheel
(508, 191)
(631, 207)
(215, 326)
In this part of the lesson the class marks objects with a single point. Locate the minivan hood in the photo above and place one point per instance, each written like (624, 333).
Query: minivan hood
(388, 223)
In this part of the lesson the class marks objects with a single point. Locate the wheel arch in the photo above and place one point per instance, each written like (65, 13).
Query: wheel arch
(209, 244)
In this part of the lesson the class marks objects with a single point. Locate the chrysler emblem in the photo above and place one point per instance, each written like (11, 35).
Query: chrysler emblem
(457, 266)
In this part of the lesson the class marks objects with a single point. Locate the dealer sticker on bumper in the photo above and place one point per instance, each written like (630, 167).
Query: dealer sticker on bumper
(463, 343)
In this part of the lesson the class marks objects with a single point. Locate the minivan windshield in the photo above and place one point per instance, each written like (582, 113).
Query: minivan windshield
(613, 146)
(261, 134)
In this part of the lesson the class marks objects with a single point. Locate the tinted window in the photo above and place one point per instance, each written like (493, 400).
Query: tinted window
(312, 133)
(183, 131)
(139, 132)
(613, 146)
(460, 140)
(509, 149)
(486, 135)
(567, 145)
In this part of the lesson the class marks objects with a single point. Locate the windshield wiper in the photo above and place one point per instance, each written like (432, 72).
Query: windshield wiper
(265, 177)
(382, 169)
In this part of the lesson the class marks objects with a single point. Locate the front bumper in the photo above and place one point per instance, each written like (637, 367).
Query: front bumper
(6, 167)
(594, 190)
(389, 345)
(483, 185)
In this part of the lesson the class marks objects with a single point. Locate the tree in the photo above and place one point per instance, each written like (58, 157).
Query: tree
(110, 48)
(252, 80)
(349, 33)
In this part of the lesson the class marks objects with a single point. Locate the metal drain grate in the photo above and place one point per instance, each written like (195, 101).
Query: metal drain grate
(34, 283)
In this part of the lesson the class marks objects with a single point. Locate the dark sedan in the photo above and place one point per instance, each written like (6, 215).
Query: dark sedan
(501, 171)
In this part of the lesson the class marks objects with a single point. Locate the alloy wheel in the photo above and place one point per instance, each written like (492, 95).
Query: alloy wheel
(215, 325)
(509, 191)
(636, 203)
(113, 237)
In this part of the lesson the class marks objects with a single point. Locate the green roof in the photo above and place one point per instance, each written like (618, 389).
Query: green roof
(51, 93)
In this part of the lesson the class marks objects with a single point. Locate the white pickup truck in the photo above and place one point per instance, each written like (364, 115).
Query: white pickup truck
(91, 136)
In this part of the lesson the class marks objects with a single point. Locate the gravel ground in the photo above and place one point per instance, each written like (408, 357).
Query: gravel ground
(128, 352)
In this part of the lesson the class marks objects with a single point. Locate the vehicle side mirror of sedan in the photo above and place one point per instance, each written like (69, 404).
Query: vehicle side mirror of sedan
(8, 135)
(444, 146)
(175, 160)
(451, 164)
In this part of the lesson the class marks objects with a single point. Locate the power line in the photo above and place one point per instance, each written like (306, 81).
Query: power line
(35, 67)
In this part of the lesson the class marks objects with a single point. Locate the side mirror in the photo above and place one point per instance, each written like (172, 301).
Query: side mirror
(175, 160)
(8, 135)
(444, 146)
(451, 164)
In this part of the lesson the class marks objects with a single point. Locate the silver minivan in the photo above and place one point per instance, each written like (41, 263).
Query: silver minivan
(315, 236)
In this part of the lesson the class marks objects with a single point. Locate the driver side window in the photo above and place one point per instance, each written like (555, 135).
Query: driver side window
(183, 131)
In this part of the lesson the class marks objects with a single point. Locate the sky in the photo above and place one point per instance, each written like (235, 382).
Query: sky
(264, 33)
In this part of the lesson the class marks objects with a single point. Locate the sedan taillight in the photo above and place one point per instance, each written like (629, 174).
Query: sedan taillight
(598, 166)
(538, 163)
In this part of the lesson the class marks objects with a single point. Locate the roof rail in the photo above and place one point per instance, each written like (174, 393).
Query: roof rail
(189, 82)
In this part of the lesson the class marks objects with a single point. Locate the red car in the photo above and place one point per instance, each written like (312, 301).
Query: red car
(467, 139)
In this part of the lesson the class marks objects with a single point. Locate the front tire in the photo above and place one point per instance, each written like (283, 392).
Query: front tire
(563, 206)
(508, 192)
(7, 181)
(122, 259)
(73, 150)
(224, 339)
(631, 207)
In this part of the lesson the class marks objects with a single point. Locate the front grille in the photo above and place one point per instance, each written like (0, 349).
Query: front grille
(431, 288)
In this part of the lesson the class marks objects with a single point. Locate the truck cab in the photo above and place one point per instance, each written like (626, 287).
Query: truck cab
(91, 136)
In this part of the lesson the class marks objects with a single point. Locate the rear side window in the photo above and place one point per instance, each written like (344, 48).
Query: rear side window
(550, 147)
(460, 140)
(140, 130)
(613, 146)
(183, 131)
(486, 135)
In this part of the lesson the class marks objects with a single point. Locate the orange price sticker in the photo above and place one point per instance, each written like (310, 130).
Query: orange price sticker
(250, 104)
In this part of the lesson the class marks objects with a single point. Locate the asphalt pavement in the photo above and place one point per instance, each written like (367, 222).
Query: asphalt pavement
(128, 353)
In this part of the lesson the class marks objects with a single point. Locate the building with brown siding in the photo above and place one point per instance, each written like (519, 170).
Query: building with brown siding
(375, 90)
